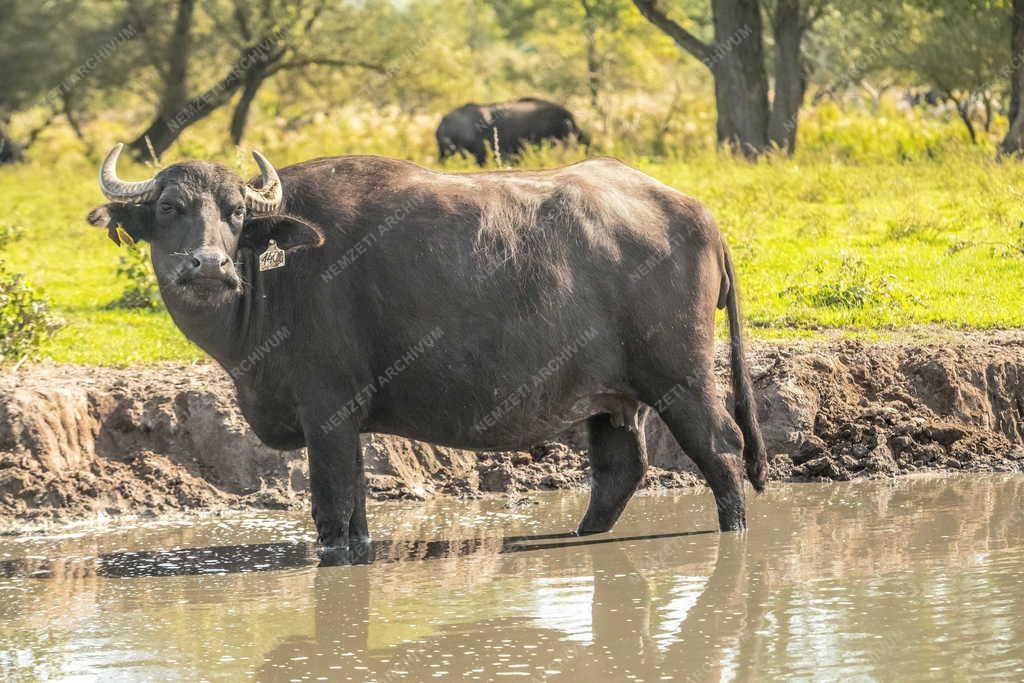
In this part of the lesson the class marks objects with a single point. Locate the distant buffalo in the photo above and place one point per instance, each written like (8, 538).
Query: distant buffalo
(472, 128)
(921, 98)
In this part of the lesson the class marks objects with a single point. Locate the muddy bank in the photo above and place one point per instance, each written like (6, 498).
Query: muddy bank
(78, 441)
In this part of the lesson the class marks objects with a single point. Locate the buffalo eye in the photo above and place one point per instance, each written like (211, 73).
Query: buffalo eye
(238, 213)
(169, 208)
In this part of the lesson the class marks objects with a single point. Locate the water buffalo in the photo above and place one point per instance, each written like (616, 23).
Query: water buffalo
(472, 128)
(487, 311)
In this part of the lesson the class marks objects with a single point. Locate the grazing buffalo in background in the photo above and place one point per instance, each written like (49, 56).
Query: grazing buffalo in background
(487, 311)
(921, 98)
(471, 129)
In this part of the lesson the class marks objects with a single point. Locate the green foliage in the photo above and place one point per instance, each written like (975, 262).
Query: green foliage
(142, 291)
(63, 53)
(25, 318)
(850, 285)
(978, 29)
(9, 232)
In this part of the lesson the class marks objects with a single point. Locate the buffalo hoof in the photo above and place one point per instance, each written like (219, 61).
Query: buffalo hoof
(590, 528)
(358, 551)
(732, 522)
(334, 555)
(331, 533)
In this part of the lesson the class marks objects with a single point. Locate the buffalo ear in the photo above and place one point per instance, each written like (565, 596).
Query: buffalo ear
(134, 219)
(290, 232)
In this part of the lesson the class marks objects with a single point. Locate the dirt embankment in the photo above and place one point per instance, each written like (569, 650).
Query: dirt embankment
(77, 441)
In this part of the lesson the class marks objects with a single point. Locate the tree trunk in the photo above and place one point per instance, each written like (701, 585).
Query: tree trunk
(790, 80)
(9, 150)
(741, 85)
(71, 116)
(163, 132)
(963, 110)
(174, 97)
(1013, 143)
(34, 134)
(240, 116)
(593, 60)
(160, 134)
(736, 61)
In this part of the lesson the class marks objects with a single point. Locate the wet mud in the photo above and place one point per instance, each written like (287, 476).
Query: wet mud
(80, 441)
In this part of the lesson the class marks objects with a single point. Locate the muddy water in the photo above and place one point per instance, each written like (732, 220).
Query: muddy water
(921, 579)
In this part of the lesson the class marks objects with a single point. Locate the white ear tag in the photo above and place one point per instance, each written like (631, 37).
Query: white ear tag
(272, 258)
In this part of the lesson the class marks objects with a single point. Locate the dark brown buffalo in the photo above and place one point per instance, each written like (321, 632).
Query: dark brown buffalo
(473, 128)
(482, 311)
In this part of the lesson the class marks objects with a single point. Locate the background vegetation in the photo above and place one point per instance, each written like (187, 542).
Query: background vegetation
(886, 213)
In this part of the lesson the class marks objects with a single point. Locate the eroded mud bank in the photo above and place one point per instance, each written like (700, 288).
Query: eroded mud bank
(76, 441)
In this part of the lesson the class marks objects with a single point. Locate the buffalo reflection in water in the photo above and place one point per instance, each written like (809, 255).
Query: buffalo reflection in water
(260, 557)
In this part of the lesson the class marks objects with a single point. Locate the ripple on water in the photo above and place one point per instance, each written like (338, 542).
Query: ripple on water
(914, 579)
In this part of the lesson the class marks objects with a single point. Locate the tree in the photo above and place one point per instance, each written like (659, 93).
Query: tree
(172, 67)
(1013, 143)
(852, 48)
(966, 75)
(790, 20)
(261, 40)
(747, 121)
(597, 50)
(64, 49)
(590, 24)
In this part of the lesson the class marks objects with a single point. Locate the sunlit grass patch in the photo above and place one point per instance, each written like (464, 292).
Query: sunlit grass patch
(871, 228)
(849, 285)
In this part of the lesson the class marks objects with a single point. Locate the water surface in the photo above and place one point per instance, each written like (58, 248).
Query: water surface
(918, 579)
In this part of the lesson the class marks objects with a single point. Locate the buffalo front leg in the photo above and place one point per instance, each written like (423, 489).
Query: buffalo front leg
(338, 487)
(618, 461)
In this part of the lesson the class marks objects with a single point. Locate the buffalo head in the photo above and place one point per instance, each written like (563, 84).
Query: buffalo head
(197, 217)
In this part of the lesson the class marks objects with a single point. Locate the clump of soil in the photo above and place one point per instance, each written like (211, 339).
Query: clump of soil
(79, 441)
(853, 409)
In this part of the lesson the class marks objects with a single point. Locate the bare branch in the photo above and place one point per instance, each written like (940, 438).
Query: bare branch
(673, 29)
(300, 63)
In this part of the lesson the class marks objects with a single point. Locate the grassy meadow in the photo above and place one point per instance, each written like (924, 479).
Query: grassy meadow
(883, 223)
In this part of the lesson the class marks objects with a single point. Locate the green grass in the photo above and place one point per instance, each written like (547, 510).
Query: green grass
(75, 265)
(869, 246)
(877, 226)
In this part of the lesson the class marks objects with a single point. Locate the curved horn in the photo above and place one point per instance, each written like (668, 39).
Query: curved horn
(265, 195)
(119, 190)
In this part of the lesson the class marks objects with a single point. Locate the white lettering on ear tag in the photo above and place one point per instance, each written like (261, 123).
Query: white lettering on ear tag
(272, 258)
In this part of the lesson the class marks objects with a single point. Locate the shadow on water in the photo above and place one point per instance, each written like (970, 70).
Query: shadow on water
(263, 557)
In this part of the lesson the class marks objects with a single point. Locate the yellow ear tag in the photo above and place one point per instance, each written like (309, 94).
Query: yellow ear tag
(123, 237)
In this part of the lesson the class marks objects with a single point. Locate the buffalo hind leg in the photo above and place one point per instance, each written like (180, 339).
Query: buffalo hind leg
(706, 432)
(618, 461)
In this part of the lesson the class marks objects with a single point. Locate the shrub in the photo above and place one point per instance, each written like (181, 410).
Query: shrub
(9, 232)
(25, 318)
(142, 291)
(850, 286)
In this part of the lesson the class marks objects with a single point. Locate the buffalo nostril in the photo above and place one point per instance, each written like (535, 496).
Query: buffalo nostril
(194, 262)
(224, 261)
